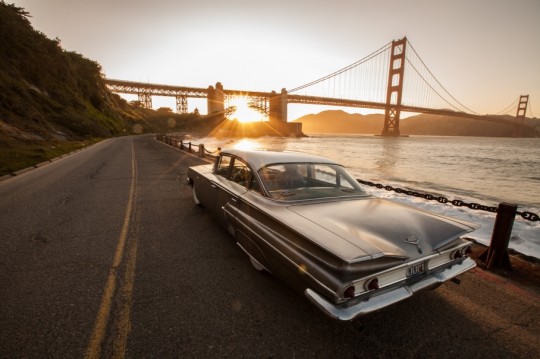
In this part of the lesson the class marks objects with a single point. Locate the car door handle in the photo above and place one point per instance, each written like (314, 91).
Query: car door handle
(234, 199)
(213, 186)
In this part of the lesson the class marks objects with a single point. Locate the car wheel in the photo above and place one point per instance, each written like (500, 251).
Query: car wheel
(195, 198)
(256, 264)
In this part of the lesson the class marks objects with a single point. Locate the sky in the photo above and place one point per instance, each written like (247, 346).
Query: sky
(486, 53)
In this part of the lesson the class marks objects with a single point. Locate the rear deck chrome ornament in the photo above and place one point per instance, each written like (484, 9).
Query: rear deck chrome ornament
(415, 241)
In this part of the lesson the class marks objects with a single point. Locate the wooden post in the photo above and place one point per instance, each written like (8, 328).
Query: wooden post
(201, 150)
(496, 256)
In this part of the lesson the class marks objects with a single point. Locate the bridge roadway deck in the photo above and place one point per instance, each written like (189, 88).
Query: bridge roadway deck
(382, 106)
(129, 87)
(188, 291)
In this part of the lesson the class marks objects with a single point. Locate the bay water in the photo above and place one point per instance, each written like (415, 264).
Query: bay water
(482, 170)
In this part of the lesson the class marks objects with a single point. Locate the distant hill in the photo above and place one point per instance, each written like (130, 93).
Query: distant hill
(338, 121)
(437, 125)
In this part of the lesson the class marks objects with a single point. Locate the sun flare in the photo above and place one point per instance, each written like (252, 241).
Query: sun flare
(243, 112)
(246, 144)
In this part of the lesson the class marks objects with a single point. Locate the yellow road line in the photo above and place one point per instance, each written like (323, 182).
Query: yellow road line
(123, 322)
(96, 340)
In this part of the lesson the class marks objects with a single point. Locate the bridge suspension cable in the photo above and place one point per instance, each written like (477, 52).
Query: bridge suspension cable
(420, 87)
(367, 80)
(508, 109)
(354, 80)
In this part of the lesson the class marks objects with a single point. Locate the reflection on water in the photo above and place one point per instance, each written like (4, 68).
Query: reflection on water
(246, 144)
(390, 152)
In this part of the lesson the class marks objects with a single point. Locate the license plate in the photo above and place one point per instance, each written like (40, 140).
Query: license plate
(416, 269)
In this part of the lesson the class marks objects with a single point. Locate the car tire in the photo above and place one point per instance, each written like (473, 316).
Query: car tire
(195, 198)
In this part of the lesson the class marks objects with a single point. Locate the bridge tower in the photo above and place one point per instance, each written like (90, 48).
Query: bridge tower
(216, 100)
(181, 104)
(520, 115)
(145, 99)
(278, 106)
(394, 89)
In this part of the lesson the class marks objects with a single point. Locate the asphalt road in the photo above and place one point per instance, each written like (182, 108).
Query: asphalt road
(103, 254)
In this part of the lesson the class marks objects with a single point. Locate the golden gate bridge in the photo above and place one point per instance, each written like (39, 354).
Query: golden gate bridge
(393, 78)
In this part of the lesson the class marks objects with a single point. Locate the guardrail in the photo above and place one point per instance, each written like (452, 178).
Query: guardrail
(495, 256)
(188, 146)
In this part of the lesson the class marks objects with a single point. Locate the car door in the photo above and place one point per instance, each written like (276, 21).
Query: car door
(205, 185)
(231, 184)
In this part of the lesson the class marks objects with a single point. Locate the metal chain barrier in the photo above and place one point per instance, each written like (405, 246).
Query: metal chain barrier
(456, 202)
(211, 153)
(187, 146)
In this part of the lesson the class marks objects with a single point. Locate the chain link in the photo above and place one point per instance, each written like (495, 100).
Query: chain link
(529, 216)
(456, 202)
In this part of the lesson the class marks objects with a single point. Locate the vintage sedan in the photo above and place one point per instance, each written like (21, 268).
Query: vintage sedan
(305, 219)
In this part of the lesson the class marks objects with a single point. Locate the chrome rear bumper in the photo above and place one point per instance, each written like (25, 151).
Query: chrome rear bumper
(349, 311)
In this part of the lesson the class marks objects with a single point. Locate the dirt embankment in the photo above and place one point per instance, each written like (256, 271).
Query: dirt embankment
(525, 270)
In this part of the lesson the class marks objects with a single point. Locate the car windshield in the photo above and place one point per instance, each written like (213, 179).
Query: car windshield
(299, 181)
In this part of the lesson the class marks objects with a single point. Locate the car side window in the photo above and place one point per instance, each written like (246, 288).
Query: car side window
(240, 173)
(222, 168)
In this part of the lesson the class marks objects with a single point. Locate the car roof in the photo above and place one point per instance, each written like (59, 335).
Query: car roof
(258, 159)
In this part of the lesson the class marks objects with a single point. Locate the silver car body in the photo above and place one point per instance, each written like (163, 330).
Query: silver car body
(349, 252)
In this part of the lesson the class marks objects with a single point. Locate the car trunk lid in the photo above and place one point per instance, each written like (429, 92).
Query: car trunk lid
(380, 228)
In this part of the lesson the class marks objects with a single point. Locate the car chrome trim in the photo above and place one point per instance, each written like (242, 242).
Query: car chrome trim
(293, 201)
(355, 308)
(412, 239)
(252, 258)
(406, 265)
(371, 257)
(299, 267)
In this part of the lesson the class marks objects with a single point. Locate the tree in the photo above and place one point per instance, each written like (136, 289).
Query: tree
(136, 103)
(164, 110)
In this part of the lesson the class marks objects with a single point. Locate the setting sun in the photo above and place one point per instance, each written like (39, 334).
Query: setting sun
(243, 112)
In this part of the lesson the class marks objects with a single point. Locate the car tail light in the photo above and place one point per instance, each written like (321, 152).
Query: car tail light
(372, 284)
(349, 292)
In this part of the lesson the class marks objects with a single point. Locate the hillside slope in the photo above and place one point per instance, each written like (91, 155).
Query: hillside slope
(53, 101)
(47, 93)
